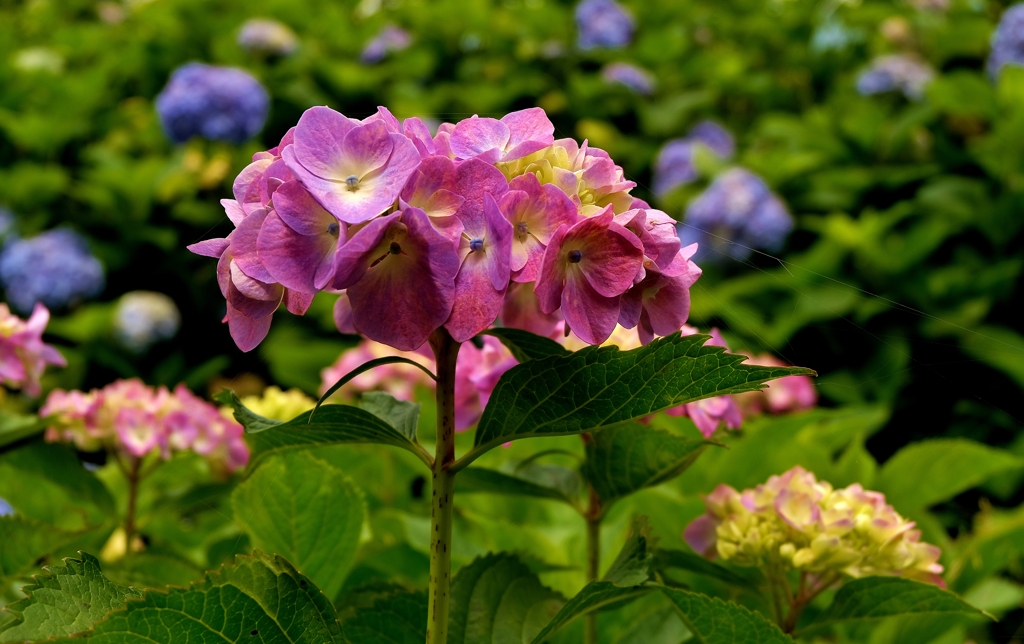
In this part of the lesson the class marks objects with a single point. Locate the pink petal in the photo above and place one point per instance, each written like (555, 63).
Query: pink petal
(296, 302)
(244, 247)
(367, 148)
(343, 315)
(701, 535)
(611, 255)
(352, 260)
(246, 332)
(320, 142)
(210, 247)
(477, 136)
(476, 303)
(293, 259)
(552, 273)
(521, 310)
(473, 180)
(233, 210)
(301, 211)
(589, 314)
(530, 130)
(246, 184)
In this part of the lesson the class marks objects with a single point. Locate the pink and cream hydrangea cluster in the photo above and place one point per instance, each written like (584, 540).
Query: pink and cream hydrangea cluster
(477, 371)
(23, 354)
(137, 420)
(797, 522)
(488, 219)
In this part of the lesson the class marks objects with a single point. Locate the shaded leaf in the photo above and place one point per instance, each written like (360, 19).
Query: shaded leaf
(24, 541)
(878, 597)
(16, 427)
(598, 387)
(398, 619)
(626, 458)
(697, 564)
(64, 600)
(526, 346)
(481, 479)
(713, 621)
(400, 414)
(302, 508)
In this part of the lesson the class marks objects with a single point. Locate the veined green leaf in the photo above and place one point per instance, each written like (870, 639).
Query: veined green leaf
(481, 479)
(526, 346)
(598, 387)
(713, 621)
(697, 564)
(400, 414)
(64, 600)
(298, 506)
(333, 425)
(878, 597)
(398, 619)
(626, 458)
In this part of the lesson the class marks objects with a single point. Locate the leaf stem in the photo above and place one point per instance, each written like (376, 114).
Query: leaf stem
(132, 473)
(593, 517)
(446, 350)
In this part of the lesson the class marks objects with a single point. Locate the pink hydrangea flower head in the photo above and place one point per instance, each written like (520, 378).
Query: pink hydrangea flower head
(515, 136)
(477, 372)
(659, 304)
(399, 380)
(23, 354)
(399, 275)
(535, 212)
(355, 170)
(521, 310)
(586, 268)
(484, 274)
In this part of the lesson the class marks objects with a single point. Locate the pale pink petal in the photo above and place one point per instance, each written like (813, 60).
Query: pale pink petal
(479, 137)
(320, 142)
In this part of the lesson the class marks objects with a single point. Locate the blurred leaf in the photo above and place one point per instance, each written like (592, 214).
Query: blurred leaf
(995, 595)
(17, 427)
(997, 347)
(996, 542)
(697, 564)
(713, 621)
(24, 541)
(963, 93)
(64, 600)
(398, 619)
(304, 509)
(480, 479)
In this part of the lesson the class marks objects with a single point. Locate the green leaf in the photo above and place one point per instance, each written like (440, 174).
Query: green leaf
(626, 458)
(526, 346)
(598, 387)
(17, 427)
(625, 581)
(366, 366)
(302, 508)
(334, 424)
(998, 347)
(261, 598)
(481, 479)
(878, 597)
(397, 619)
(400, 414)
(697, 564)
(66, 599)
(713, 621)
(931, 471)
(498, 599)
(24, 541)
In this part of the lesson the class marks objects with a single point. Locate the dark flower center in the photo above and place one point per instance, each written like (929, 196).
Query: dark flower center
(396, 249)
(522, 228)
(352, 182)
(575, 256)
(476, 244)
(333, 229)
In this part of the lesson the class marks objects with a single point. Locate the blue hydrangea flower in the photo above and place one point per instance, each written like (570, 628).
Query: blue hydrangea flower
(635, 78)
(216, 103)
(603, 23)
(265, 36)
(143, 318)
(390, 39)
(1007, 41)
(55, 268)
(5, 508)
(734, 216)
(895, 73)
(674, 165)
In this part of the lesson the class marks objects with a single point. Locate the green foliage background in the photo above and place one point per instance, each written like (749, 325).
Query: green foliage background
(898, 286)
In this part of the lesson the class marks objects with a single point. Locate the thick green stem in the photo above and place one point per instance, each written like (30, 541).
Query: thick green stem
(593, 518)
(132, 475)
(446, 350)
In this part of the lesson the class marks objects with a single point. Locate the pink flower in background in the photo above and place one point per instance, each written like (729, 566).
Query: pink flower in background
(477, 371)
(137, 420)
(23, 354)
(399, 380)
(792, 393)
(709, 413)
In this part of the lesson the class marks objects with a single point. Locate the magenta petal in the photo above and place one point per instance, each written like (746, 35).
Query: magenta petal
(351, 261)
(367, 148)
(669, 305)
(476, 136)
(419, 134)
(244, 247)
(473, 180)
(245, 331)
(530, 130)
(701, 535)
(253, 307)
(589, 314)
(343, 315)
(521, 310)
(476, 302)
(552, 274)
(319, 141)
(385, 116)
(630, 307)
(612, 255)
(233, 210)
(293, 258)
(297, 303)
(246, 183)
(210, 247)
(301, 211)
(498, 245)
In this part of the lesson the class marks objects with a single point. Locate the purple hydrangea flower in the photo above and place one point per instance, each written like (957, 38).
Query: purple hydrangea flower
(390, 39)
(216, 103)
(674, 165)
(55, 268)
(5, 508)
(262, 35)
(635, 78)
(895, 73)
(735, 215)
(1007, 41)
(603, 23)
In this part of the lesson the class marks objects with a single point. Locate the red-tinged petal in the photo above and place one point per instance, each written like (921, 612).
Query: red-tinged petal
(431, 187)
(320, 142)
(419, 134)
(233, 210)
(498, 244)
(610, 256)
(667, 305)
(293, 259)
(630, 307)
(245, 331)
(297, 303)
(244, 247)
(530, 130)
(301, 211)
(252, 307)
(476, 303)
(552, 273)
(252, 288)
(343, 315)
(247, 180)
(352, 260)
(276, 174)
(478, 136)
(473, 180)
(210, 247)
(701, 535)
(521, 310)
(590, 315)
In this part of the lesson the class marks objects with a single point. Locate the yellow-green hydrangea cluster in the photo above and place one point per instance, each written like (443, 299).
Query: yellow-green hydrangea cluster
(279, 405)
(796, 522)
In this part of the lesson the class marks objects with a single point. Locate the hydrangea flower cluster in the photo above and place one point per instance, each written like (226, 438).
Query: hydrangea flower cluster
(1007, 41)
(603, 23)
(897, 72)
(674, 165)
(390, 39)
(736, 214)
(266, 36)
(797, 522)
(143, 318)
(487, 219)
(212, 102)
(54, 268)
(131, 418)
(23, 355)
(637, 79)
(477, 371)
